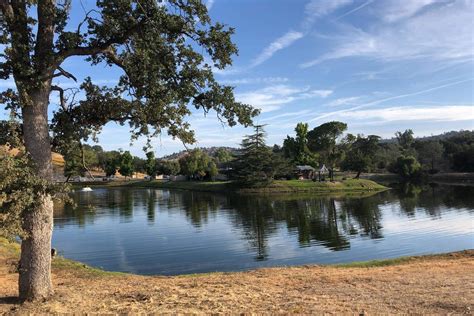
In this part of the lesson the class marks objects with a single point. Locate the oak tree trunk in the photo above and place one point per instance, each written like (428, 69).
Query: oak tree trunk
(35, 262)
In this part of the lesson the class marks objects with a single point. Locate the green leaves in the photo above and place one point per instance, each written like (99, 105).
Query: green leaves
(256, 164)
(20, 191)
(166, 53)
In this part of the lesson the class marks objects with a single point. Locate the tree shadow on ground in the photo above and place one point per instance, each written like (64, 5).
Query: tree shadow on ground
(10, 300)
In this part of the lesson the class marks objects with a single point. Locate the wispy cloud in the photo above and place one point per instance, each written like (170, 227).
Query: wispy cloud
(317, 8)
(257, 80)
(279, 44)
(286, 115)
(343, 101)
(313, 10)
(363, 5)
(379, 101)
(209, 4)
(272, 98)
(441, 32)
(395, 10)
(414, 113)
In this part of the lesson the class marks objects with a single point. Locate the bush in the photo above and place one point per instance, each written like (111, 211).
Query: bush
(407, 167)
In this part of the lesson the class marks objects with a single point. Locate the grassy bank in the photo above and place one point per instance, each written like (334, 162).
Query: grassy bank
(280, 186)
(436, 284)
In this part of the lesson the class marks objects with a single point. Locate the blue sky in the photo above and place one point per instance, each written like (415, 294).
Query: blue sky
(378, 65)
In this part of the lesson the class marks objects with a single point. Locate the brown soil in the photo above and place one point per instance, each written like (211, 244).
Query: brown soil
(441, 284)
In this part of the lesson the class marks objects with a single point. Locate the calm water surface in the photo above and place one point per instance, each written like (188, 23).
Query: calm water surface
(150, 231)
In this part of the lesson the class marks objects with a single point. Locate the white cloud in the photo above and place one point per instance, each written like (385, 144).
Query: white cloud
(396, 97)
(313, 10)
(257, 80)
(414, 113)
(279, 44)
(343, 101)
(363, 5)
(318, 8)
(209, 4)
(395, 10)
(271, 98)
(442, 32)
(288, 114)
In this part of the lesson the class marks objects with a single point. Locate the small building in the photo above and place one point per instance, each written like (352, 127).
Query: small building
(324, 173)
(305, 172)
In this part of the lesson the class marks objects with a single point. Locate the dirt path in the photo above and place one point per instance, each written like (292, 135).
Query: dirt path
(435, 284)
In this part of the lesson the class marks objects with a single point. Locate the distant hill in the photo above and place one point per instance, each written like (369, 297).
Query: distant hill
(432, 137)
(208, 150)
(58, 159)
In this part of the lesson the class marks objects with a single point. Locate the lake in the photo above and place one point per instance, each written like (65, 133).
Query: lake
(154, 231)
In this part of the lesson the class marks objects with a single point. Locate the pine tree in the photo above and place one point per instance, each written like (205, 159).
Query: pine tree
(254, 166)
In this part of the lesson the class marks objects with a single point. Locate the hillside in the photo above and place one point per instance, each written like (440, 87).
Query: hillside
(208, 150)
(58, 159)
(439, 137)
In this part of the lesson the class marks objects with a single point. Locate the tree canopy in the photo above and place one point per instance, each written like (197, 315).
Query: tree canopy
(166, 53)
(297, 148)
(154, 45)
(255, 165)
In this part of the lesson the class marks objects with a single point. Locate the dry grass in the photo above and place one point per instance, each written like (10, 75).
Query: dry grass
(425, 285)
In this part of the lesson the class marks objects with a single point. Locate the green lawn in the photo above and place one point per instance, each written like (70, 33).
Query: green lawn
(279, 186)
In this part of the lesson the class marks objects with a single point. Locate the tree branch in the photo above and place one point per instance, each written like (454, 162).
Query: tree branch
(64, 73)
(62, 101)
(99, 48)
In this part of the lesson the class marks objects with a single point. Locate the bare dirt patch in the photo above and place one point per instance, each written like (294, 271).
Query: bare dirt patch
(433, 284)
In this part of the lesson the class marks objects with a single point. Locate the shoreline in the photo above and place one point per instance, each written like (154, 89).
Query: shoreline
(440, 282)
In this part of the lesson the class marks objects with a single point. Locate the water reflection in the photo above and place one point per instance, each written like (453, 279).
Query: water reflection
(262, 223)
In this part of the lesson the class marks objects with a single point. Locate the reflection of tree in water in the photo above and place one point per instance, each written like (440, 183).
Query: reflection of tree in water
(126, 205)
(409, 197)
(325, 221)
(366, 213)
(198, 207)
(66, 213)
(151, 206)
(433, 198)
(255, 216)
(315, 219)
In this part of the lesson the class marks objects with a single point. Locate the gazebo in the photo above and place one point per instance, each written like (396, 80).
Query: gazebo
(305, 172)
(322, 172)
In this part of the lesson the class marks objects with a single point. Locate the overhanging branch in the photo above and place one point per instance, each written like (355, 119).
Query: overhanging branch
(64, 73)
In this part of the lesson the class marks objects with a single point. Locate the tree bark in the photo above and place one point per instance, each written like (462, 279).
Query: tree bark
(35, 262)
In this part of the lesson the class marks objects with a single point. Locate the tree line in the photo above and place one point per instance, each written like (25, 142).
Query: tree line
(257, 163)
(328, 144)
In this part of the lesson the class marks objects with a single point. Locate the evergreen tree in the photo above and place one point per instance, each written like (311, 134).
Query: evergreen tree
(254, 166)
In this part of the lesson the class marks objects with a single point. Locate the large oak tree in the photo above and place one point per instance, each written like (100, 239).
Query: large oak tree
(166, 52)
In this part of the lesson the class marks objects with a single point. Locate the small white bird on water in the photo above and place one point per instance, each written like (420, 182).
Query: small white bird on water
(86, 189)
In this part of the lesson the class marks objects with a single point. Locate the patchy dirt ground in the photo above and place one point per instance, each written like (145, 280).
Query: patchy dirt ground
(441, 284)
